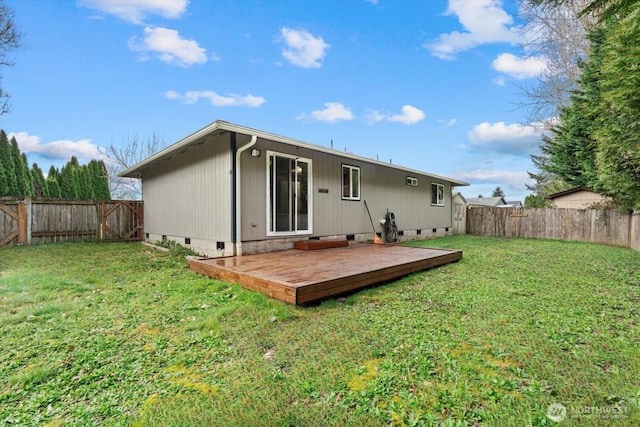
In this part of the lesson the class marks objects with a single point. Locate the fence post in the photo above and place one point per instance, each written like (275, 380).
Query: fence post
(99, 214)
(634, 230)
(22, 222)
(29, 210)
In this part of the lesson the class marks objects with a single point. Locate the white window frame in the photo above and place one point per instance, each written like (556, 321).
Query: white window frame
(269, 208)
(439, 188)
(351, 168)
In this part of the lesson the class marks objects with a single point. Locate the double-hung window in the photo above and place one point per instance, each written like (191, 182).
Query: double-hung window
(437, 194)
(350, 182)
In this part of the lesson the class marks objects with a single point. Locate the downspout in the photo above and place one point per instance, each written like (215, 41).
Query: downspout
(238, 219)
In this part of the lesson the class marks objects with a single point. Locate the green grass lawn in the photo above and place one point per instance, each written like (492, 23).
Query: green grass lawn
(121, 334)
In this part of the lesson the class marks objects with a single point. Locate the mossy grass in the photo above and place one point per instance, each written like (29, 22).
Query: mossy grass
(122, 334)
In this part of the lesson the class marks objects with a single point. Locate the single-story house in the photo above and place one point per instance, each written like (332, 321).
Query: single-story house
(486, 201)
(231, 190)
(576, 198)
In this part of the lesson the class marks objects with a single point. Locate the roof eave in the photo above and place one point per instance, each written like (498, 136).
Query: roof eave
(135, 171)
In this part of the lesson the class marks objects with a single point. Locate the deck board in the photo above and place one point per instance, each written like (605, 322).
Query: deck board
(300, 277)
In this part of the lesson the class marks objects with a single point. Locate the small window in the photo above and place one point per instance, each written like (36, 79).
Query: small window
(350, 182)
(437, 194)
(412, 182)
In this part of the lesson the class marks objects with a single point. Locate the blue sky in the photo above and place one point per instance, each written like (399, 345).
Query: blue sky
(431, 85)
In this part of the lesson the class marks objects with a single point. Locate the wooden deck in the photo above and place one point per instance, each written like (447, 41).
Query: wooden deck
(300, 277)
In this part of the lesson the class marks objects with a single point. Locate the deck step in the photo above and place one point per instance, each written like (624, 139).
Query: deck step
(311, 245)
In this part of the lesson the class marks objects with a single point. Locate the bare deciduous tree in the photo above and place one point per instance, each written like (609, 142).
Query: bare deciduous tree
(9, 41)
(131, 151)
(556, 31)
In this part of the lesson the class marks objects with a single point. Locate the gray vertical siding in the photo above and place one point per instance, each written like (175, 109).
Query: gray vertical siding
(190, 196)
(382, 187)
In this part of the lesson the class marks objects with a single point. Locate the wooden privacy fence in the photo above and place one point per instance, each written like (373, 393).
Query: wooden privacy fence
(44, 221)
(586, 225)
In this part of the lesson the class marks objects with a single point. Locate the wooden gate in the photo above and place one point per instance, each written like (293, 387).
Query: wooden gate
(122, 220)
(13, 222)
(41, 221)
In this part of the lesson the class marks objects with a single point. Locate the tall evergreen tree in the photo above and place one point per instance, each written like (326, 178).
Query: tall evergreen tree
(86, 191)
(69, 186)
(618, 125)
(40, 187)
(6, 158)
(53, 173)
(53, 187)
(22, 179)
(30, 188)
(498, 192)
(572, 149)
(4, 185)
(73, 162)
(100, 180)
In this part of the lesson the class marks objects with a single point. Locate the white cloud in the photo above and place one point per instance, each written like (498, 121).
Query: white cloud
(169, 47)
(230, 100)
(63, 149)
(484, 21)
(489, 175)
(303, 49)
(135, 11)
(514, 138)
(410, 115)
(333, 112)
(374, 116)
(510, 181)
(519, 68)
(449, 123)
(500, 80)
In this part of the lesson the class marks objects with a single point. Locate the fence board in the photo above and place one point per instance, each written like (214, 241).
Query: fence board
(42, 221)
(587, 225)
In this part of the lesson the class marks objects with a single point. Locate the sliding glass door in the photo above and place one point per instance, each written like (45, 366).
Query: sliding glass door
(289, 195)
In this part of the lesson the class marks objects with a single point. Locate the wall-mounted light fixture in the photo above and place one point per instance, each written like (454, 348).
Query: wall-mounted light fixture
(255, 152)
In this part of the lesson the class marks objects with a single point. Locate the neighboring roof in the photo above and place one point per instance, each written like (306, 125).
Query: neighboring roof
(219, 125)
(571, 191)
(515, 203)
(486, 201)
(460, 196)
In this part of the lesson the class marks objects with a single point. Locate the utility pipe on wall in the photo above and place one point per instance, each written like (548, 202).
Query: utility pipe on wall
(239, 152)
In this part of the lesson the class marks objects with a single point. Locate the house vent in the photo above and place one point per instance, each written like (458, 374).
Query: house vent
(351, 237)
(220, 246)
(187, 240)
(418, 231)
(412, 182)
